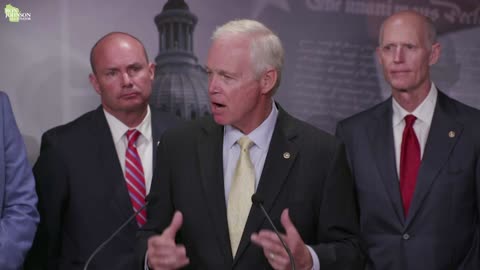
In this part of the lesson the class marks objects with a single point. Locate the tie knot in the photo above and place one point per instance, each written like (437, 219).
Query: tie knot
(132, 136)
(409, 120)
(245, 143)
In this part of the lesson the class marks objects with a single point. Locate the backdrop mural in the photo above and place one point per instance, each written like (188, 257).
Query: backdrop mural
(330, 73)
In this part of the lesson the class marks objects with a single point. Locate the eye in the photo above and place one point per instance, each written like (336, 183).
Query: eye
(111, 73)
(226, 76)
(134, 69)
(387, 48)
(410, 46)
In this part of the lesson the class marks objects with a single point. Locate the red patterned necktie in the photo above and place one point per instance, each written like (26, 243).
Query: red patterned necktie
(135, 177)
(409, 162)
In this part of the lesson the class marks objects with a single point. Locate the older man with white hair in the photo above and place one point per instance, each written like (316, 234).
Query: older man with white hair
(201, 215)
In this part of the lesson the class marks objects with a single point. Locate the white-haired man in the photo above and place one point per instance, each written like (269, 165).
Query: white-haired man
(201, 215)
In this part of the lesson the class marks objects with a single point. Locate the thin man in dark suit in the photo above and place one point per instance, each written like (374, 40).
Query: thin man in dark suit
(81, 172)
(301, 174)
(416, 160)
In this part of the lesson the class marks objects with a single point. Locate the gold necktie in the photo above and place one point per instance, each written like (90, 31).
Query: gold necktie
(241, 191)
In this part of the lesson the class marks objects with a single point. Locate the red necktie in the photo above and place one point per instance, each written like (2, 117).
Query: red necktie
(135, 177)
(409, 162)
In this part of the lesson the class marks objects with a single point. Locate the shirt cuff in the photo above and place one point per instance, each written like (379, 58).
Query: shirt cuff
(316, 262)
(146, 262)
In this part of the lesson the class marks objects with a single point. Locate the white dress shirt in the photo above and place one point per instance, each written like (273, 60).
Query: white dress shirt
(144, 143)
(424, 115)
(261, 137)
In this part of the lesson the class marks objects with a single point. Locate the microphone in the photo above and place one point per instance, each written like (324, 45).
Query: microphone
(104, 243)
(257, 200)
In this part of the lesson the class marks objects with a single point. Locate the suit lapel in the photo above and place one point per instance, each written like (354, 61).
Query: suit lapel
(437, 150)
(210, 156)
(274, 174)
(380, 134)
(110, 168)
(156, 125)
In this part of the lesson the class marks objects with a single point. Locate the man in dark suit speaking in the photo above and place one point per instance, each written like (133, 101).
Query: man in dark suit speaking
(94, 172)
(416, 160)
(201, 215)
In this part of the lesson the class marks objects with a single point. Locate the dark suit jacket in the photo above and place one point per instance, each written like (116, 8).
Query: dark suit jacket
(314, 183)
(83, 197)
(441, 231)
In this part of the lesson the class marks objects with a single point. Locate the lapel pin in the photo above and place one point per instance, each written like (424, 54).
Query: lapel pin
(451, 134)
(286, 155)
(158, 142)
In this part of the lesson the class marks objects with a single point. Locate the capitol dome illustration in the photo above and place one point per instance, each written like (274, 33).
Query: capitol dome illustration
(181, 84)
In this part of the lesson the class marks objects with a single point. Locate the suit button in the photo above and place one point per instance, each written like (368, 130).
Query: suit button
(406, 236)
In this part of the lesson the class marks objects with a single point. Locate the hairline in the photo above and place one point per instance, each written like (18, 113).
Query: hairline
(427, 23)
(92, 51)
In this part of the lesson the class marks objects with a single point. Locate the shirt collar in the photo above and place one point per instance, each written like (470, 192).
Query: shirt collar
(424, 112)
(118, 128)
(260, 136)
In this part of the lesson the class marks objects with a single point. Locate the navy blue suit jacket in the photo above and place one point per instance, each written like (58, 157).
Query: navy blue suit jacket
(83, 197)
(441, 231)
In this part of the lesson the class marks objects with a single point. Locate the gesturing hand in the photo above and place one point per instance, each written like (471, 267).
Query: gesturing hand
(163, 253)
(273, 248)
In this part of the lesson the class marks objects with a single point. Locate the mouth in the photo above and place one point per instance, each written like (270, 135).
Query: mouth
(216, 105)
(130, 95)
(399, 71)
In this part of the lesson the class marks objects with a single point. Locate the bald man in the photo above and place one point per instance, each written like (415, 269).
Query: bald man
(94, 172)
(416, 160)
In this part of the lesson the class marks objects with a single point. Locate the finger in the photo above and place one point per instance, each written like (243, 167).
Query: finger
(160, 242)
(161, 251)
(174, 226)
(269, 242)
(168, 263)
(278, 262)
(182, 259)
(168, 258)
(265, 236)
(287, 223)
(294, 240)
(270, 236)
(174, 260)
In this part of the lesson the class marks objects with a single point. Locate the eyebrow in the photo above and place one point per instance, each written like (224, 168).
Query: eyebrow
(135, 64)
(109, 69)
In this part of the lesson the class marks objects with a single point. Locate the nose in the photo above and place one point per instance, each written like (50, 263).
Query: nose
(399, 55)
(212, 84)
(126, 80)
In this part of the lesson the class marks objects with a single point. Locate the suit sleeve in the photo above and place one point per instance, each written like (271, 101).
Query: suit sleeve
(476, 248)
(338, 228)
(51, 176)
(472, 260)
(19, 216)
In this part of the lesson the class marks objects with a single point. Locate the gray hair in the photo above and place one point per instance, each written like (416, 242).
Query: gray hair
(266, 50)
